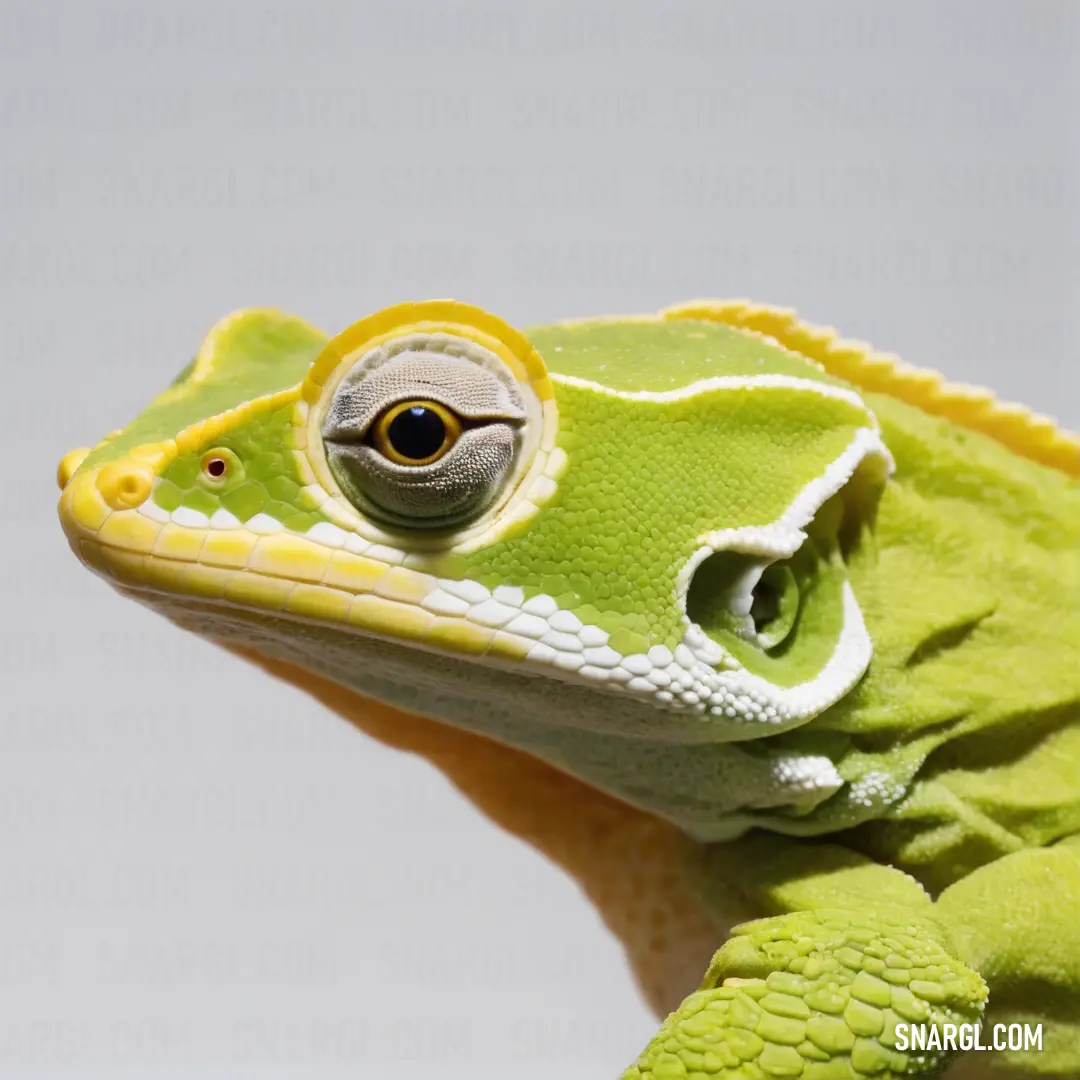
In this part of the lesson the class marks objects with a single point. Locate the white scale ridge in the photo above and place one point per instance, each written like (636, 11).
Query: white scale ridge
(698, 675)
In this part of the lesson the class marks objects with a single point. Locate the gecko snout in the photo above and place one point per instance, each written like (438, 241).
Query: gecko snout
(69, 463)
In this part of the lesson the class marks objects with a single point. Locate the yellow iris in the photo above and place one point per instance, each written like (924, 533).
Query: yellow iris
(416, 432)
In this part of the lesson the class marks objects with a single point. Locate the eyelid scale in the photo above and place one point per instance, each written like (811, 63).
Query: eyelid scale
(472, 390)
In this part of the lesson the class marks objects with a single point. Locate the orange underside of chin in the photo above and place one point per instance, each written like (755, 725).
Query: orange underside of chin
(637, 870)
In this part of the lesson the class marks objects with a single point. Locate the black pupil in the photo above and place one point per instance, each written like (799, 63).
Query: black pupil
(215, 467)
(417, 432)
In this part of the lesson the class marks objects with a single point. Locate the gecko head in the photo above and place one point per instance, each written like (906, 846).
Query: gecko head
(634, 526)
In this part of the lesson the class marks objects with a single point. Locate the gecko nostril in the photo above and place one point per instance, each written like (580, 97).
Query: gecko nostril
(126, 483)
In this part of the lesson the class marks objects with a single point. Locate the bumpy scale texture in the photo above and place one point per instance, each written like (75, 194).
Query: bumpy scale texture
(667, 454)
(840, 984)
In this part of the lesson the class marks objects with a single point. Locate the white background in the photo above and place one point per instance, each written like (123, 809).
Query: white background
(205, 874)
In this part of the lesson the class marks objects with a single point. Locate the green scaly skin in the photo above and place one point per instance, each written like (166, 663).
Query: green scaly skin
(883, 763)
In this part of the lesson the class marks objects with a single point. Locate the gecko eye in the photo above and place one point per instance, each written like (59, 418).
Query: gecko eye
(428, 436)
(416, 432)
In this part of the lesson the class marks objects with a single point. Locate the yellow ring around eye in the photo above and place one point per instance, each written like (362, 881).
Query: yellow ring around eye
(383, 440)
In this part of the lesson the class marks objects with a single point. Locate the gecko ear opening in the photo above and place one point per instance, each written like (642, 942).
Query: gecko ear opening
(734, 595)
(782, 617)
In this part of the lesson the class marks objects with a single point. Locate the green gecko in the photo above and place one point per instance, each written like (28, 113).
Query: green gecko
(739, 622)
